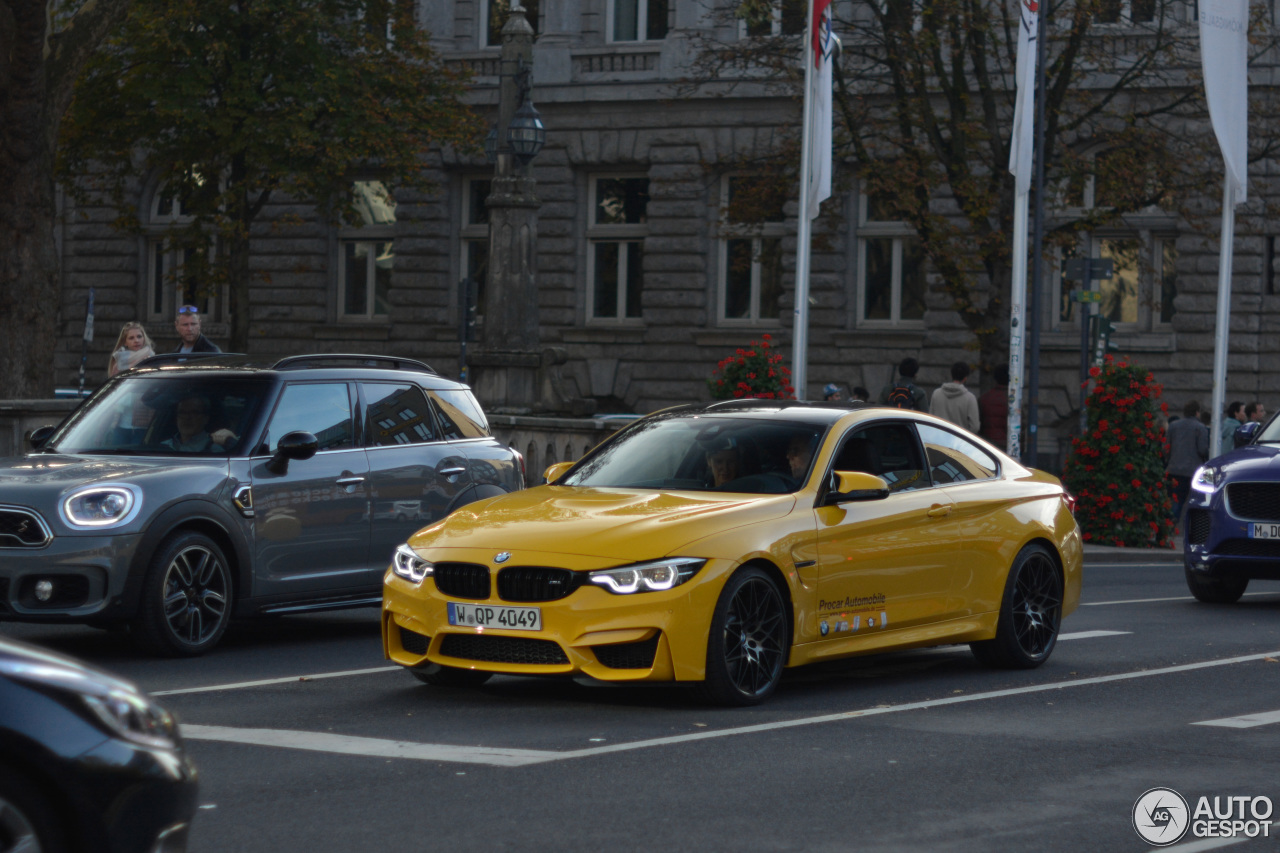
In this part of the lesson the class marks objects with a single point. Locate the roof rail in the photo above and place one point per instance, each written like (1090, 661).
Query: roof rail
(296, 362)
(161, 359)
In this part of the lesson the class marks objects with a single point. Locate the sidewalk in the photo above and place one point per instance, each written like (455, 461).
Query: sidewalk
(1108, 554)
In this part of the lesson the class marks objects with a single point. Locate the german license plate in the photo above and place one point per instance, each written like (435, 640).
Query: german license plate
(1265, 530)
(485, 616)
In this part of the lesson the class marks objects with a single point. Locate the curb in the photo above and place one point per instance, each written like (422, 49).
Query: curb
(1107, 554)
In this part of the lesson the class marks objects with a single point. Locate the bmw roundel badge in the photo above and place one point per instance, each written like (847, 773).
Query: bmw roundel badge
(503, 557)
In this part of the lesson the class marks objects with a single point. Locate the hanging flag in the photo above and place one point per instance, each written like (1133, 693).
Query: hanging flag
(1022, 146)
(1224, 55)
(819, 130)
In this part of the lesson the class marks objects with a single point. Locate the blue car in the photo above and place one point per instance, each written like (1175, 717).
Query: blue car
(1232, 520)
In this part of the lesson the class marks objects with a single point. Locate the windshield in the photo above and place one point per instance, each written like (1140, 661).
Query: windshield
(1270, 434)
(159, 415)
(702, 453)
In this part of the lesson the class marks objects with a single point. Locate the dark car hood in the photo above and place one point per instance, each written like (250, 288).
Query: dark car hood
(66, 471)
(1255, 460)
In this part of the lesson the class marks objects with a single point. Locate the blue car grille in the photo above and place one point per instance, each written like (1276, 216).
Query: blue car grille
(20, 528)
(462, 580)
(494, 649)
(1254, 501)
(1266, 548)
(537, 583)
(1198, 523)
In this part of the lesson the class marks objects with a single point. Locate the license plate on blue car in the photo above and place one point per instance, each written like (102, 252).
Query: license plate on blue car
(1264, 530)
(486, 616)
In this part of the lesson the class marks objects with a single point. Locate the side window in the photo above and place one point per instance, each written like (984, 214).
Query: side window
(460, 414)
(397, 414)
(888, 451)
(953, 459)
(322, 409)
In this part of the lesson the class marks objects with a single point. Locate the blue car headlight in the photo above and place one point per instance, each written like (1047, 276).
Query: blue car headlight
(647, 577)
(96, 507)
(1206, 479)
(406, 563)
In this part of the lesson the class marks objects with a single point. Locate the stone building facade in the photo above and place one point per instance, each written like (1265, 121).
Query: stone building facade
(643, 283)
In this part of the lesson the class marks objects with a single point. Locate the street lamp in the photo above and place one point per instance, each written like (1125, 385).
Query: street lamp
(526, 133)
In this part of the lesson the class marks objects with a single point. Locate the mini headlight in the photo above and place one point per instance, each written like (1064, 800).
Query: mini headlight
(1205, 479)
(407, 564)
(102, 506)
(134, 717)
(648, 577)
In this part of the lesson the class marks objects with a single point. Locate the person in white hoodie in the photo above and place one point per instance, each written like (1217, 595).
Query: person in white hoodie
(954, 402)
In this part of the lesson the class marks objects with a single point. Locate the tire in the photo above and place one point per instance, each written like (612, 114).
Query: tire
(28, 823)
(748, 644)
(1030, 613)
(450, 676)
(186, 597)
(1216, 590)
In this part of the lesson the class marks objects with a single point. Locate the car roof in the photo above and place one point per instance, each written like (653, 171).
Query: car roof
(807, 411)
(320, 365)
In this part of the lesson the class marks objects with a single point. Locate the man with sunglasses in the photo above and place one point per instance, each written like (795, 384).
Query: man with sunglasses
(188, 326)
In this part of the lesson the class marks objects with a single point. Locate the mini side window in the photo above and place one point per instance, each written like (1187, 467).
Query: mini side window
(460, 414)
(397, 415)
(953, 459)
(323, 409)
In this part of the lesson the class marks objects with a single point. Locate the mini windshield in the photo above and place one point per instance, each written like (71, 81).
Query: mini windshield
(704, 453)
(163, 415)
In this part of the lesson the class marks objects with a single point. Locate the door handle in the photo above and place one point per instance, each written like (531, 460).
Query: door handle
(452, 472)
(939, 510)
(349, 481)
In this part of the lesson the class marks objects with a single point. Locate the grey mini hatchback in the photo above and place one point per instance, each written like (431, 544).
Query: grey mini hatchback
(190, 490)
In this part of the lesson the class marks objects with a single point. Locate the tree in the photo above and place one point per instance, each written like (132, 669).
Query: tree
(44, 45)
(924, 105)
(229, 105)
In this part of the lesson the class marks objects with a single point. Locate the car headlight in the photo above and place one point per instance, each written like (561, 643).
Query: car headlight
(102, 506)
(647, 577)
(134, 717)
(406, 563)
(1205, 479)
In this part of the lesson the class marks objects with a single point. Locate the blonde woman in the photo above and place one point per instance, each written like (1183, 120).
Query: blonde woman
(131, 348)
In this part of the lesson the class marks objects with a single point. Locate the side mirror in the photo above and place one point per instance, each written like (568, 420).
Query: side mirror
(1245, 432)
(293, 445)
(855, 486)
(38, 436)
(556, 471)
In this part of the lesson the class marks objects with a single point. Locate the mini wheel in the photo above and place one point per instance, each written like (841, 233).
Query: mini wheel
(1030, 613)
(747, 648)
(450, 676)
(186, 597)
(1216, 590)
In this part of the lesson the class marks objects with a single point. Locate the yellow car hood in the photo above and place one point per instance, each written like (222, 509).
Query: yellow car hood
(621, 524)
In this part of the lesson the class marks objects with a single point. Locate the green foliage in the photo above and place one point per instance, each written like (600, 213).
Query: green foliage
(1116, 469)
(754, 372)
(229, 104)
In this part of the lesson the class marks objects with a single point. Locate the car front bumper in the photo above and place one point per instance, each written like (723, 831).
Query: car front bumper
(87, 573)
(1218, 544)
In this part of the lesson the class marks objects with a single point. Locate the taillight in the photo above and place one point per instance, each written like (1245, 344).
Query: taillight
(1071, 501)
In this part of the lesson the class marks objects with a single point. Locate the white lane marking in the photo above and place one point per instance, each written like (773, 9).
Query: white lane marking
(1245, 721)
(1147, 600)
(324, 742)
(375, 747)
(265, 681)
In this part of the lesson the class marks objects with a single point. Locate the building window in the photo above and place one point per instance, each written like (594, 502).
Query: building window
(1125, 12)
(638, 20)
(178, 274)
(474, 236)
(751, 230)
(615, 239)
(776, 18)
(891, 268)
(496, 12)
(366, 254)
(1139, 296)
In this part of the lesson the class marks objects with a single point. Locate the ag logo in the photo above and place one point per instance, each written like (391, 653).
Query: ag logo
(1161, 817)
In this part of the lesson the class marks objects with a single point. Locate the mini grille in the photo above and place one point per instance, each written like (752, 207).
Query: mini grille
(1249, 548)
(462, 580)
(628, 655)
(68, 591)
(413, 642)
(1198, 524)
(487, 647)
(1256, 501)
(21, 529)
(535, 583)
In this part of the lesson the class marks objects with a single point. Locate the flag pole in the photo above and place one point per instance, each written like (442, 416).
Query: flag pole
(1017, 322)
(800, 318)
(1223, 325)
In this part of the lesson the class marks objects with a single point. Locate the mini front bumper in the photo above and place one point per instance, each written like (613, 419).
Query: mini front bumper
(87, 574)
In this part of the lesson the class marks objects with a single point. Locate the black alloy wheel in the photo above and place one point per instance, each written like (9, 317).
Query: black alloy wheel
(187, 596)
(1030, 613)
(748, 645)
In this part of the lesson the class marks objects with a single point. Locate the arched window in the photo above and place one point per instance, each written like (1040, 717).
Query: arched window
(177, 273)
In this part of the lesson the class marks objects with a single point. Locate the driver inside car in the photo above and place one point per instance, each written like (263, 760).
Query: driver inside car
(192, 419)
(725, 465)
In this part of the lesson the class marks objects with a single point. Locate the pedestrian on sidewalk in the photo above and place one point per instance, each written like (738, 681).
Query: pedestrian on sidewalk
(1188, 450)
(133, 347)
(993, 408)
(904, 393)
(955, 402)
(1234, 413)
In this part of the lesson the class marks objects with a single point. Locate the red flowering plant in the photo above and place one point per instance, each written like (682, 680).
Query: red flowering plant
(1116, 469)
(753, 372)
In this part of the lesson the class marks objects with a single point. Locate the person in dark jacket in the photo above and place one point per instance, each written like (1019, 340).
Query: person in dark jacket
(1188, 450)
(188, 326)
(993, 409)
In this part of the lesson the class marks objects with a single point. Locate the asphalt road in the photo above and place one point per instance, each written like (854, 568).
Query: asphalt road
(908, 751)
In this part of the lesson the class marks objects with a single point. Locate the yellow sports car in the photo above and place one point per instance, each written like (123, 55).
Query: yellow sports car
(719, 543)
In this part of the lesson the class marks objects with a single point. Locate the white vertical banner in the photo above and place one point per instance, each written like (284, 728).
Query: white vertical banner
(815, 173)
(1021, 150)
(1224, 59)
